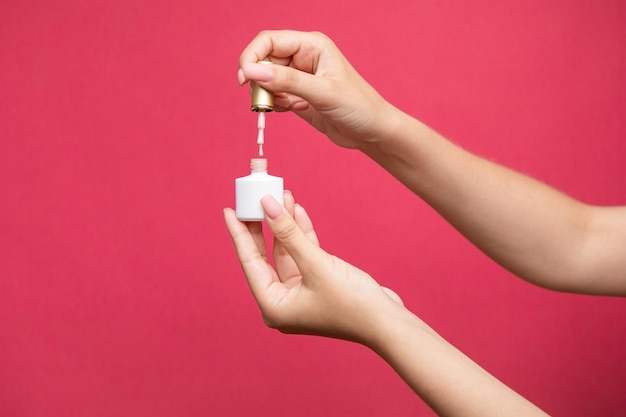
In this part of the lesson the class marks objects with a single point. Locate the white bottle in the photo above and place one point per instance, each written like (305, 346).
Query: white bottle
(249, 191)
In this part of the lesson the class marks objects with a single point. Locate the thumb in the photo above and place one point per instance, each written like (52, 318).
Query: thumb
(288, 233)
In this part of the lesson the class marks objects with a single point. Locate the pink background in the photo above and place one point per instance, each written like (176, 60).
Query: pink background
(122, 129)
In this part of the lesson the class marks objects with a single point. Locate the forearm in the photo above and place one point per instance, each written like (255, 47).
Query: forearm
(509, 216)
(446, 379)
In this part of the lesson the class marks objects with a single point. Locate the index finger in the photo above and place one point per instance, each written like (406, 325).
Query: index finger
(283, 46)
(259, 274)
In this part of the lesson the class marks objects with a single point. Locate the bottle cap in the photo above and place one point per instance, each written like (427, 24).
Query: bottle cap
(262, 100)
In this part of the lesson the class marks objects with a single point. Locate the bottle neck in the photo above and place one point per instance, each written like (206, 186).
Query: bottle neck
(258, 165)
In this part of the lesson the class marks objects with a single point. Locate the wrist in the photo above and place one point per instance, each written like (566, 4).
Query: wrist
(390, 324)
(399, 133)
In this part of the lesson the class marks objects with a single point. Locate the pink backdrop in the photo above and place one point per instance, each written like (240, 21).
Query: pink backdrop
(122, 129)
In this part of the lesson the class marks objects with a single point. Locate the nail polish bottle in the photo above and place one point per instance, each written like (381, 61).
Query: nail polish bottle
(250, 189)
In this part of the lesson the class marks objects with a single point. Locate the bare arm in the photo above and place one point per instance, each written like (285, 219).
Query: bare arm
(537, 232)
(450, 382)
(313, 292)
(529, 228)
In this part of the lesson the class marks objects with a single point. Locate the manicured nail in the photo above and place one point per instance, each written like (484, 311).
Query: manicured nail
(272, 208)
(240, 77)
(258, 72)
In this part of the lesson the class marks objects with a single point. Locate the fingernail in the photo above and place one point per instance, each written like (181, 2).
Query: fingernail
(272, 208)
(259, 72)
(240, 77)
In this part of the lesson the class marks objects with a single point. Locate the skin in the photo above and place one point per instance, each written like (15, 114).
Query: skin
(535, 231)
(313, 292)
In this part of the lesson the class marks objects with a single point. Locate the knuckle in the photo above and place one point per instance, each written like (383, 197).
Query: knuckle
(320, 35)
(289, 79)
(322, 39)
(287, 232)
(263, 33)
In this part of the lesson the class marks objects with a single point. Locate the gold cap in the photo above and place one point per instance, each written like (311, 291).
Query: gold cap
(262, 100)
